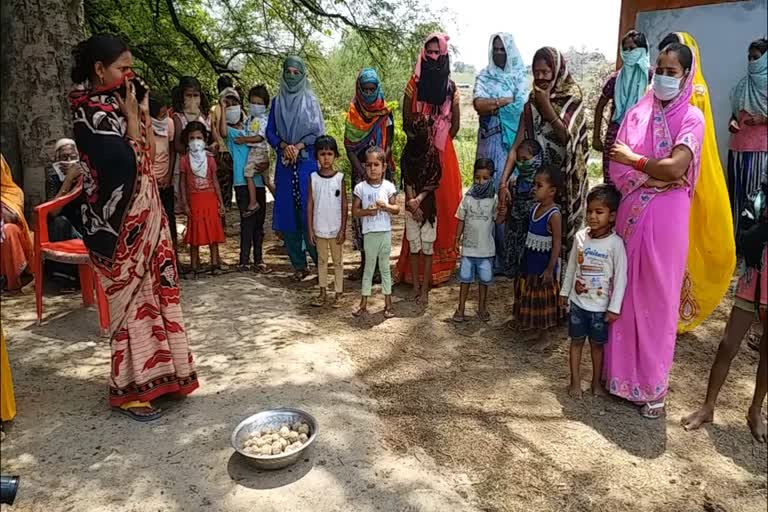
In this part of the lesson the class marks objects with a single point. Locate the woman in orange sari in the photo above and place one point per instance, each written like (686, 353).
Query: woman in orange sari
(431, 92)
(16, 246)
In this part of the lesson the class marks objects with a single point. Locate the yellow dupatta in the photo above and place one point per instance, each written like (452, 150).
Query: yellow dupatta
(712, 248)
(7, 400)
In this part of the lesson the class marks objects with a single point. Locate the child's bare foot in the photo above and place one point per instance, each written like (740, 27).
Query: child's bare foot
(698, 418)
(483, 316)
(597, 390)
(574, 391)
(757, 424)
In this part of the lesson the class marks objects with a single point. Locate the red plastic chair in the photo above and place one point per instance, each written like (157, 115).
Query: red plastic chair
(68, 251)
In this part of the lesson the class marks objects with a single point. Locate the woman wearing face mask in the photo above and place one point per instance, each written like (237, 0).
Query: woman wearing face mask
(554, 117)
(748, 147)
(189, 104)
(295, 122)
(501, 90)
(655, 164)
(431, 92)
(64, 223)
(712, 253)
(623, 88)
(369, 123)
(126, 232)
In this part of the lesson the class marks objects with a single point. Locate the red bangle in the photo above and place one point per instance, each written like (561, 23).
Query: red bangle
(640, 164)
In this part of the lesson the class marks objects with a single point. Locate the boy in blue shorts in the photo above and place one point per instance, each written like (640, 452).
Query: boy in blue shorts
(477, 215)
(594, 284)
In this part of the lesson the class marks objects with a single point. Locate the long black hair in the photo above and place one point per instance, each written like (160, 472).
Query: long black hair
(105, 48)
(760, 45)
(684, 54)
(189, 82)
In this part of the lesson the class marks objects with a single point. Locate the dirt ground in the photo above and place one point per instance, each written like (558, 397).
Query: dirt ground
(415, 412)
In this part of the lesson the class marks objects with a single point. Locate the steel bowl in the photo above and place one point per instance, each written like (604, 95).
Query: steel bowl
(273, 418)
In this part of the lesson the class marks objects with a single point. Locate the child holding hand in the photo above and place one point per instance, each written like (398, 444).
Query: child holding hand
(474, 238)
(594, 284)
(375, 200)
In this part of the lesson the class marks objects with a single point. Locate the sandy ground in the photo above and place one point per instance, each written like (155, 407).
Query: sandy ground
(415, 413)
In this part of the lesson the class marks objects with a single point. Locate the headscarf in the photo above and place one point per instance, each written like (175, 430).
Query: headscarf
(512, 81)
(421, 167)
(432, 91)
(631, 82)
(12, 198)
(63, 143)
(297, 111)
(367, 118)
(751, 93)
(434, 73)
(566, 98)
(712, 246)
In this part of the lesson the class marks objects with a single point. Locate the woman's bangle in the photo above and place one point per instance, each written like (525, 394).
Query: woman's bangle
(640, 164)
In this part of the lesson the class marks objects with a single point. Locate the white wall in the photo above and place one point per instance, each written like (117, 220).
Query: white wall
(723, 32)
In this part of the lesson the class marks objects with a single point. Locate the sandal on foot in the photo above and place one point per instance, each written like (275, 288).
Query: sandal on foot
(360, 312)
(335, 302)
(318, 302)
(262, 268)
(458, 318)
(649, 411)
(142, 418)
(216, 271)
(300, 275)
(243, 267)
(483, 317)
(388, 313)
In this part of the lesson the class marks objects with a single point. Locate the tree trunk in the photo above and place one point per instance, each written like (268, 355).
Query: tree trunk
(35, 63)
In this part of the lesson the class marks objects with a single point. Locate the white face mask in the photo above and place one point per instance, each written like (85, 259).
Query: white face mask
(196, 145)
(233, 114)
(160, 127)
(666, 87)
(257, 110)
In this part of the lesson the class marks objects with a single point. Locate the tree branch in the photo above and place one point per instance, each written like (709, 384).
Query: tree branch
(203, 48)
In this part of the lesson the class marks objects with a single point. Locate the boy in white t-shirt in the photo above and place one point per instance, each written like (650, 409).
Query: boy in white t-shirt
(375, 199)
(594, 284)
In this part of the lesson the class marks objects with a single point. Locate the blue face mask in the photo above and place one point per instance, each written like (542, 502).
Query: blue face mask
(758, 66)
(632, 57)
(666, 87)
(483, 190)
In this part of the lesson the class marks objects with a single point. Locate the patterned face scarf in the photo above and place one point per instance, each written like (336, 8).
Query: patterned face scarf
(483, 190)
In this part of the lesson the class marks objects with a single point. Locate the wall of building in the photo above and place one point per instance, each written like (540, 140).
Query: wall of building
(723, 32)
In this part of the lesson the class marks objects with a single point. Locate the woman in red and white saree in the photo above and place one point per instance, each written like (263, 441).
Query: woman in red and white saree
(126, 232)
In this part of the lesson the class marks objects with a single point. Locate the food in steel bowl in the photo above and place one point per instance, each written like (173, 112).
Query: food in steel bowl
(288, 438)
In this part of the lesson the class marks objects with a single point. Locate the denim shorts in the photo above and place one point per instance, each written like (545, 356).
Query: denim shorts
(476, 270)
(587, 324)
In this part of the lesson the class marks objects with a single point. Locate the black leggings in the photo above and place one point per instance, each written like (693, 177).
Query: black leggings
(251, 228)
(166, 197)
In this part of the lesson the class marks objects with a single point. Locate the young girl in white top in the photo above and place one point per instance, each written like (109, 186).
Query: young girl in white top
(327, 217)
(374, 201)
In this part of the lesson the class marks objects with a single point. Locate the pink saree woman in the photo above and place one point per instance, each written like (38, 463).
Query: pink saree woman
(654, 225)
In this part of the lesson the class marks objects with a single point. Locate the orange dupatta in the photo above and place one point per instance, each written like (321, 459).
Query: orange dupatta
(12, 198)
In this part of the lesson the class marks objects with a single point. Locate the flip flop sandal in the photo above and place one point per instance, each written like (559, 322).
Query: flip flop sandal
(142, 418)
(300, 275)
(753, 342)
(217, 271)
(335, 303)
(484, 317)
(458, 319)
(249, 213)
(646, 411)
(243, 268)
(388, 313)
(358, 313)
(318, 302)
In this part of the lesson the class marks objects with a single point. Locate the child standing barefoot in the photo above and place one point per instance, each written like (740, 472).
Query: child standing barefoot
(594, 284)
(537, 305)
(421, 169)
(477, 213)
(327, 217)
(201, 197)
(374, 201)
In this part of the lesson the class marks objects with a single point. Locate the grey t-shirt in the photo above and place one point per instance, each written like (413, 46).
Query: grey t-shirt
(479, 216)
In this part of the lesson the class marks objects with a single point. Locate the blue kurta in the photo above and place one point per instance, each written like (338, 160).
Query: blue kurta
(285, 215)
